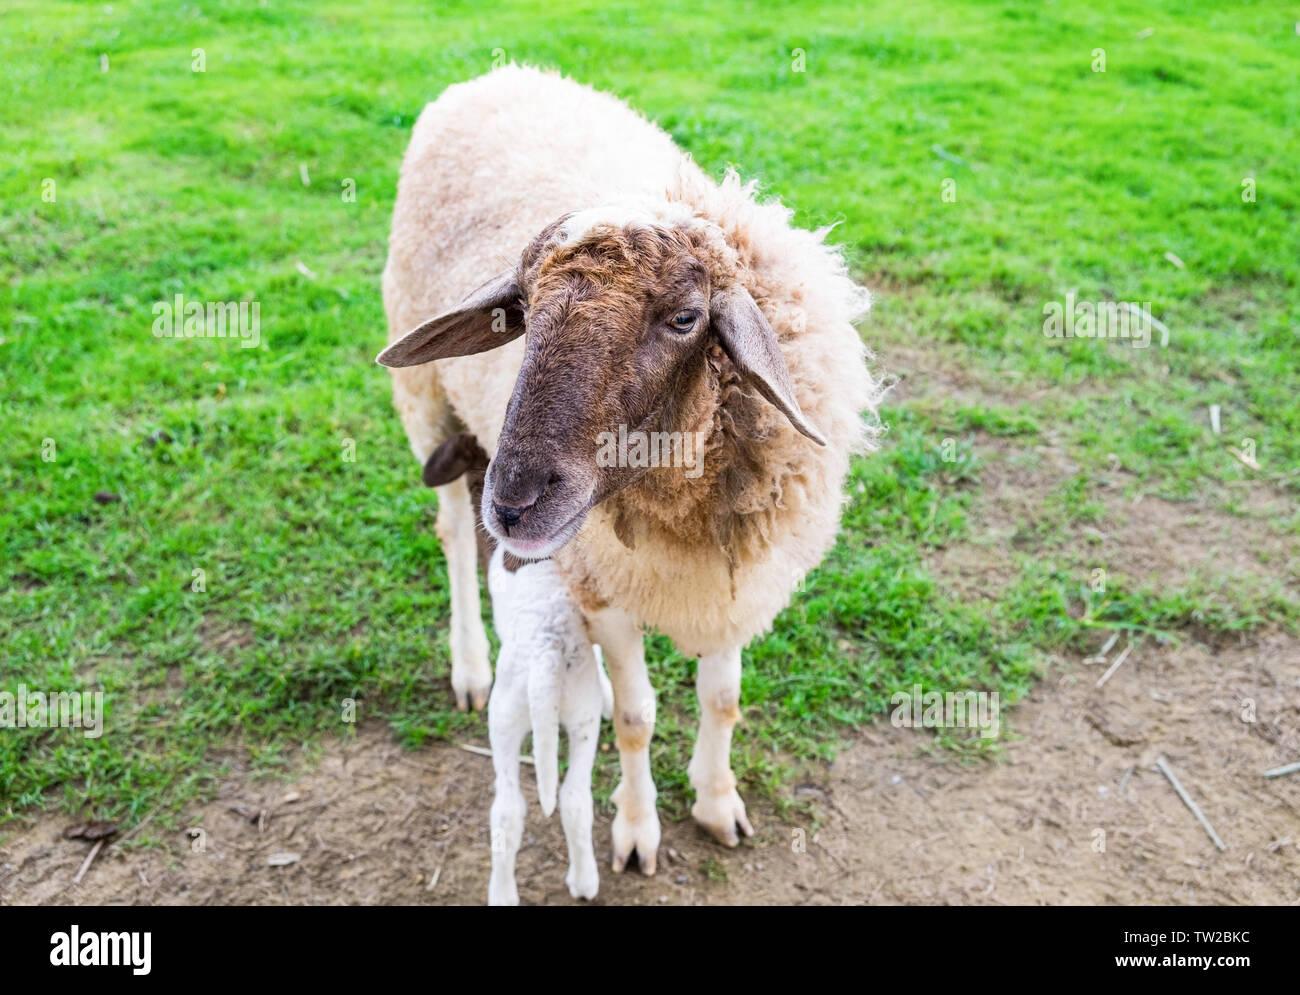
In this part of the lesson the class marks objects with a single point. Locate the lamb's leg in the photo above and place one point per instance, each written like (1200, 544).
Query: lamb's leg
(636, 824)
(718, 807)
(507, 726)
(606, 689)
(583, 878)
(471, 673)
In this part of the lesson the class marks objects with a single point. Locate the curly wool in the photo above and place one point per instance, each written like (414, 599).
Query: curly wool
(708, 562)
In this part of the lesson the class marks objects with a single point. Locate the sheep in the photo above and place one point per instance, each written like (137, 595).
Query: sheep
(560, 273)
(548, 672)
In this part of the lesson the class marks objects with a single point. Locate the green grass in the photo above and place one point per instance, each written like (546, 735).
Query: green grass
(323, 581)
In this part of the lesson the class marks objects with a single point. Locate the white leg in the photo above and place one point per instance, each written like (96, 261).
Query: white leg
(718, 807)
(583, 878)
(636, 824)
(471, 673)
(606, 689)
(507, 726)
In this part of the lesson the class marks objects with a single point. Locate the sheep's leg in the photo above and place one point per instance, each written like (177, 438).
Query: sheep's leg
(507, 726)
(636, 824)
(718, 807)
(583, 877)
(471, 673)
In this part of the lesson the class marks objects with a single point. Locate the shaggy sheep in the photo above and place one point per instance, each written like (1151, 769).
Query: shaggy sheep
(658, 305)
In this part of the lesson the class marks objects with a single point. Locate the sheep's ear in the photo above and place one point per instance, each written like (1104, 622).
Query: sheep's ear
(751, 344)
(487, 318)
(454, 458)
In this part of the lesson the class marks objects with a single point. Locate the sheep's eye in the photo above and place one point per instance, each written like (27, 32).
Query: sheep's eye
(684, 321)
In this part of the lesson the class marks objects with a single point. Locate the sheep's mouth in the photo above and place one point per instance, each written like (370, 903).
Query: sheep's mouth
(540, 549)
(543, 528)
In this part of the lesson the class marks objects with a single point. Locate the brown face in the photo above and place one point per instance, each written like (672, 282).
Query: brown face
(617, 322)
(616, 327)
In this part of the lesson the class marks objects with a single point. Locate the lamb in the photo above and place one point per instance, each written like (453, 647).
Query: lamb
(548, 672)
(559, 271)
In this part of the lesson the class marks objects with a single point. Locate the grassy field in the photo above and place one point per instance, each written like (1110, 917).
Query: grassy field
(127, 178)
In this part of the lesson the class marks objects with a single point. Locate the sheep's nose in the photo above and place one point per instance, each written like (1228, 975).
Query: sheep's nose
(509, 515)
(516, 492)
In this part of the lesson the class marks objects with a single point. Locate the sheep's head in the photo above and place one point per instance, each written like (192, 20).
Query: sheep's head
(619, 314)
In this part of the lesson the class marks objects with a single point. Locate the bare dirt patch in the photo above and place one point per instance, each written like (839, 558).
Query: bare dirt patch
(1145, 539)
(923, 370)
(1072, 812)
(1140, 537)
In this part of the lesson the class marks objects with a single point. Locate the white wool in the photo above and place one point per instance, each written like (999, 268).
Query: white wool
(491, 163)
(663, 214)
(548, 674)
